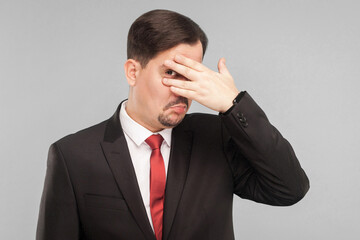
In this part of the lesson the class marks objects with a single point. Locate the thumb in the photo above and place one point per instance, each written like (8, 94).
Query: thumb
(222, 67)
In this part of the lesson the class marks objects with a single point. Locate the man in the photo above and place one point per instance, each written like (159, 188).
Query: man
(153, 172)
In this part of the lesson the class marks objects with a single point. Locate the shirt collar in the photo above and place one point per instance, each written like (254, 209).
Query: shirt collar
(137, 133)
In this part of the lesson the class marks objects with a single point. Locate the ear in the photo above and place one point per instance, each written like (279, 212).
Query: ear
(132, 69)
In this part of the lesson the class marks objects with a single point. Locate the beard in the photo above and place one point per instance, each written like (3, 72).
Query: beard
(165, 120)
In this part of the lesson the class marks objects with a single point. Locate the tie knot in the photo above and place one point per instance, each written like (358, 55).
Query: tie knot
(154, 141)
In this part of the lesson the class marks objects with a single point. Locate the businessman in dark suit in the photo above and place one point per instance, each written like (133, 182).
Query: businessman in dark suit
(152, 171)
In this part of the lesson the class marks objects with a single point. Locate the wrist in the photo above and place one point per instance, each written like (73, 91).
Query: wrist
(228, 101)
(234, 102)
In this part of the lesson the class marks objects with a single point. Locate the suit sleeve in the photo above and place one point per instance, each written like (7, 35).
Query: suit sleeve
(265, 168)
(58, 217)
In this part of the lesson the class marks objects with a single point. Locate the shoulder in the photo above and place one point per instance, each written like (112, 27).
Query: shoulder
(85, 138)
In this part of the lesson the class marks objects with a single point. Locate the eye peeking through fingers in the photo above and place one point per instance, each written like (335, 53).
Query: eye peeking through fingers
(171, 73)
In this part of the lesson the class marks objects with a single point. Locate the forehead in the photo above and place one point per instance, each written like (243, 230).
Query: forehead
(194, 52)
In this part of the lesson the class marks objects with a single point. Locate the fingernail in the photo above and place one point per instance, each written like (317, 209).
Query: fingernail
(165, 80)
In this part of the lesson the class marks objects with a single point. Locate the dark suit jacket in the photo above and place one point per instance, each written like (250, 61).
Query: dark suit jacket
(91, 190)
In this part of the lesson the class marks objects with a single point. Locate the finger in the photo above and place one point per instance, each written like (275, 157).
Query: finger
(183, 92)
(189, 63)
(181, 69)
(222, 67)
(179, 83)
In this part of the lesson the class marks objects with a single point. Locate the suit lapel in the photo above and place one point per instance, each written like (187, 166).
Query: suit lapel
(119, 160)
(181, 144)
(118, 157)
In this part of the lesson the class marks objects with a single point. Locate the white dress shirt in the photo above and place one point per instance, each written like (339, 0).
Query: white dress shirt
(140, 153)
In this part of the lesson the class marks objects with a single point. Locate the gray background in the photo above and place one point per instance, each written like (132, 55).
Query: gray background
(61, 70)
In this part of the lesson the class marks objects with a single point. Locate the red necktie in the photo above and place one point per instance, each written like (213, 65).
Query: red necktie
(157, 183)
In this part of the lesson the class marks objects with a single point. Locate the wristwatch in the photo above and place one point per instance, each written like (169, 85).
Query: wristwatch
(235, 101)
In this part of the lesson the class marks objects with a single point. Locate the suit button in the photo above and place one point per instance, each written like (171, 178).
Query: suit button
(242, 119)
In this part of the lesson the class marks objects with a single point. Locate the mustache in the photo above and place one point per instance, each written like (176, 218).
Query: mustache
(177, 101)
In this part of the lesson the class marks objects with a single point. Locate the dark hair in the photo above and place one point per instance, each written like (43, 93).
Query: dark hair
(160, 30)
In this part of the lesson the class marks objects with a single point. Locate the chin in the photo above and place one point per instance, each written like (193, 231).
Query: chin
(167, 122)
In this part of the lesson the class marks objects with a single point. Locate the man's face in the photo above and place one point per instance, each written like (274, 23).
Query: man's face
(151, 103)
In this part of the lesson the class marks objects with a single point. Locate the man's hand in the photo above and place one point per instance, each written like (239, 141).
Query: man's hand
(211, 89)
